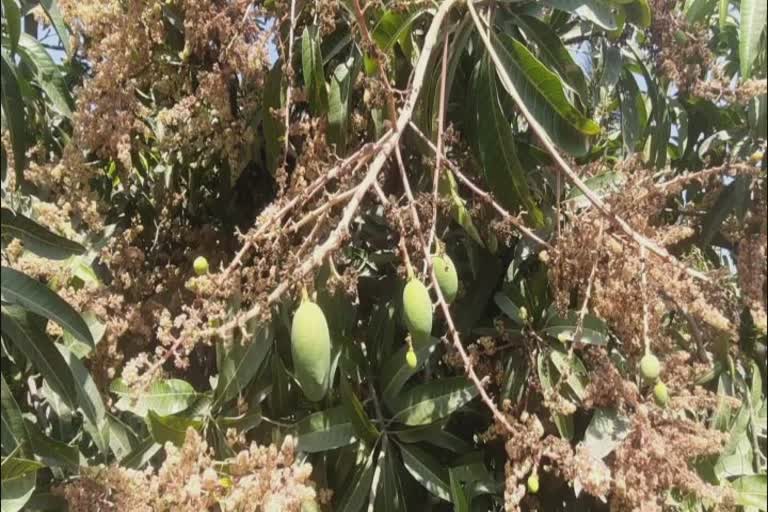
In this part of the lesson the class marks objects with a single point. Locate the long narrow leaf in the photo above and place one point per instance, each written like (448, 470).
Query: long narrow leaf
(36, 297)
(13, 109)
(36, 237)
(753, 20)
(30, 338)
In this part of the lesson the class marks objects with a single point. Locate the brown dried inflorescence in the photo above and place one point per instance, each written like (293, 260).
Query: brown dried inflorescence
(618, 293)
(657, 457)
(190, 480)
(681, 49)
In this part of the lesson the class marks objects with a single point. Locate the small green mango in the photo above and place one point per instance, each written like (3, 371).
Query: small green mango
(417, 308)
(200, 265)
(309, 506)
(533, 484)
(411, 358)
(650, 367)
(661, 394)
(311, 350)
(447, 278)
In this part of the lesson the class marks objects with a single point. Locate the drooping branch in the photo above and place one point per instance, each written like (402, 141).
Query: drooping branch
(383, 149)
(563, 165)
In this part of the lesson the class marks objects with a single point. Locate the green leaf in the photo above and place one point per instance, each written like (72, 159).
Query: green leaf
(47, 74)
(16, 493)
(697, 10)
(601, 184)
(733, 197)
(516, 375)
(170, 429)
(459, 498)
(554, 53)
(37, 238)
(723, 6)
(594, 331)
(13, 110)
(605, 432)
(141, 454)
(240, 363)
(36, 297)
(89, 400)
(359, 489)
(97, 328)
(396, 372)
(753, 20)
(509, 308)
(563, 423)
(427, 403)
(577, 374)
(395, 27)
(122, 439)
(14, 467)
(751, 491)
(598, 12)
(342, 80)
(506, 178)
(363, 426)
(46, 502)
(14, 432)
(314, 75)
(738, 461)
(543, 93)
(390, 496)
(449, 191)
(164, 397)
(12, 15)
(427, 471)
(639, 13)
(434, 435)
(634, 116)
(53, 452)
(51, 8)
(30, 338)
(274, 125)
(325, 430)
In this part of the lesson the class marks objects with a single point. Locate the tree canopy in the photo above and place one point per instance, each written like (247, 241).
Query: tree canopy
(387, 255)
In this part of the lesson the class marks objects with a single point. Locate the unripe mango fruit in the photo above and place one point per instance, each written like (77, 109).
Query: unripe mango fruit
(200, 265)
(447, 278)
(650, 367)
(533, 484)
(311, 350)
(417, 308)
(411, 359)
(661, 394)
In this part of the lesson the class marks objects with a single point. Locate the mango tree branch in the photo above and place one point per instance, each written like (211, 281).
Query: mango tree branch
(383, 151)
(482, 194)
(563, 165)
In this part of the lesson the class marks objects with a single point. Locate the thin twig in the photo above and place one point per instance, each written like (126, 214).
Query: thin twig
(383, 152)
(563, 165)
(644, 293)
(360, 157)
(485, 196)
(456, 340)
(439, 151)
(289, 88)
(324, 207)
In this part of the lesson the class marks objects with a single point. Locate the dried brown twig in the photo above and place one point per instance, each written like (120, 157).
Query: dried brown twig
(482, 194)
(383, 149)
(453, 333)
